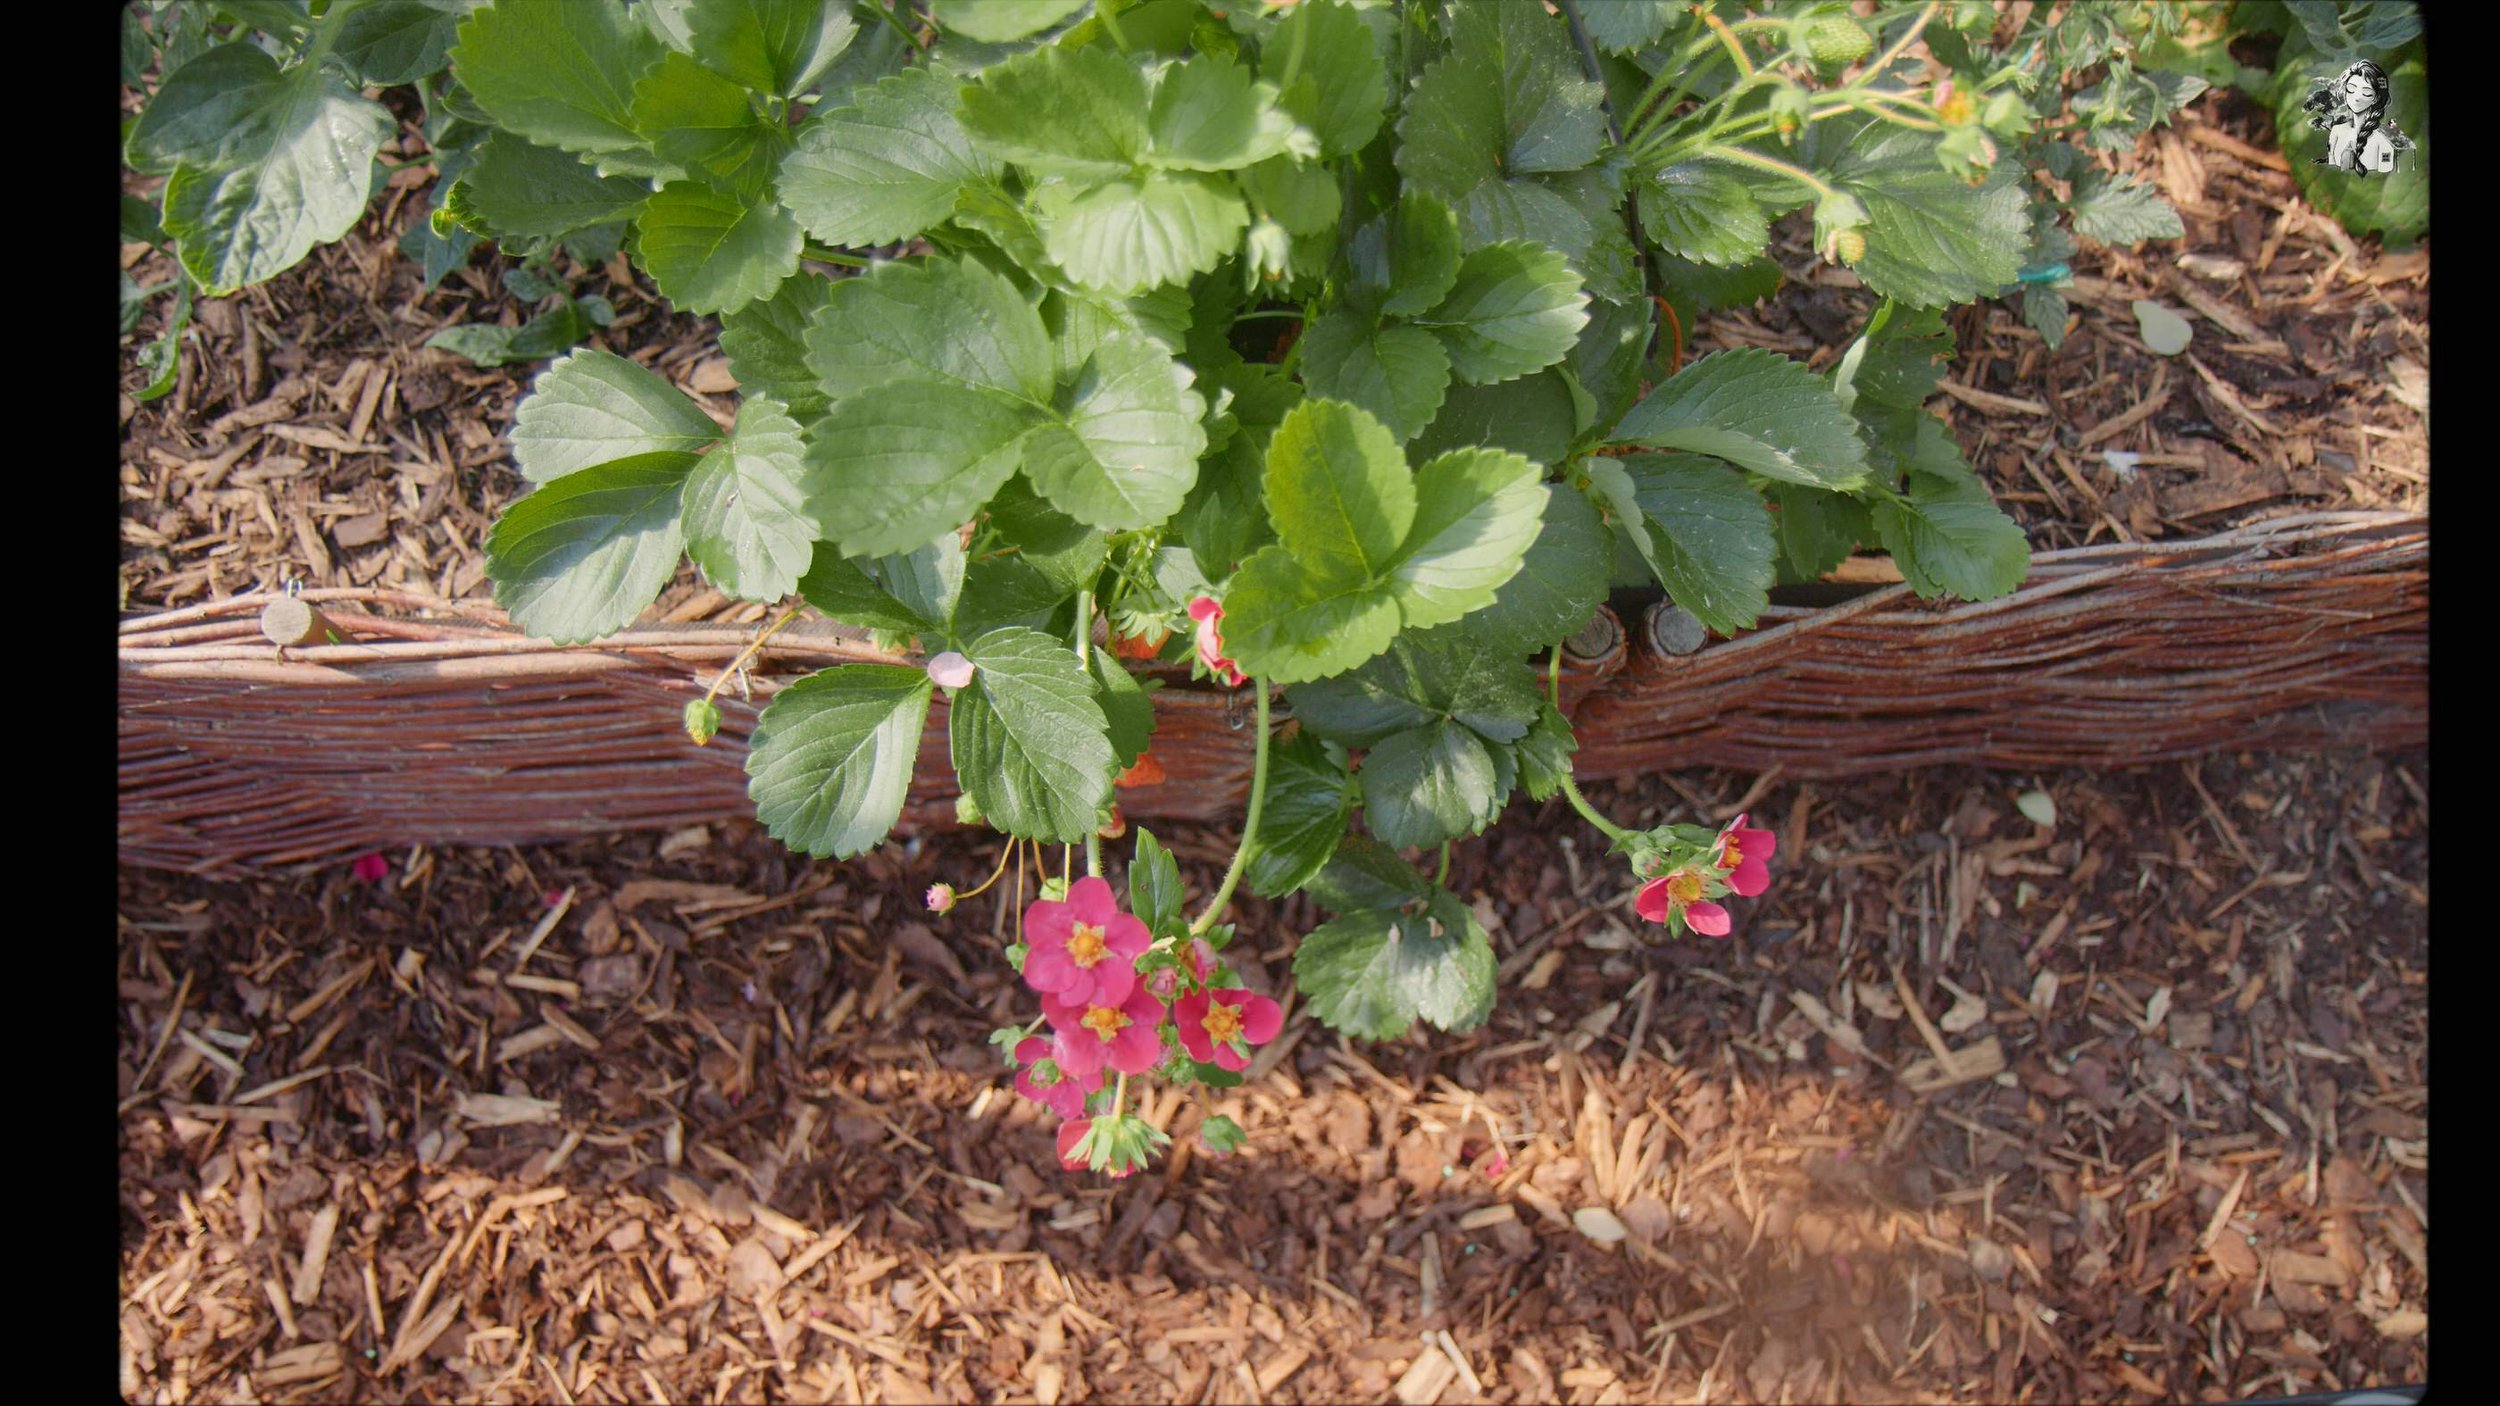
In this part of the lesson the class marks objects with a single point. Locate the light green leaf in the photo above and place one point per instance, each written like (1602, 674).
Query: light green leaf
(582, 556)
(2165, 333)
(1515, 308)
(1950, 545)
(1930, 239)
(1707, 536)
(1429, 784)
(393, 44)
(1702, 211)
(1126, 236)
(293, 170)
(832, 757)
(1550, 114)
(1302, 196)
(711, 252)
(1476, 512)
(1209, 115)
(2121, 210)
(519, 189)
(1398, 373)
(1758, 410)
(559, 72)
(1289, 625)
(748, 523)
(766, 343)
(844, 590)
(928, 580)
(1061, 112)
(1002, 21)
(1621, 26)
(1030, 743)
(1338, 491)
(1341, 87)
(1309, 797)
(894, 470)
(884, 168)
(595, 407)
(697, 119)
(1370, 974)
(1407, 256)
(1562, 580)
(944, 319)
(1127, 450)
(777, 47)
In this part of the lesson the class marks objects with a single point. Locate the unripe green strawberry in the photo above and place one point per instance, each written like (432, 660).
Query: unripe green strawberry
(1836, 41)
(1850, 245)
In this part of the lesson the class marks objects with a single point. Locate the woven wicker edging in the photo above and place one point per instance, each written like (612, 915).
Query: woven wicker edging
(446, 726)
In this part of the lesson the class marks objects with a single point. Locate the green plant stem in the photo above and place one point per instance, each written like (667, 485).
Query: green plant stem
(1249, 826)
(1570, 789)
(1270, 312)
(818, 253)
(1908, 37)
(749, 653)
(1119, 1096)
(1443, 877)
(1085, 666)
(895, 22)
(1743, 156)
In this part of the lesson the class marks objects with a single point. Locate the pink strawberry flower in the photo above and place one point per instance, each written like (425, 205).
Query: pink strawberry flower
(1742, 857)
(950, 670)
(1084, 950)
(1206, 611)
(1064, 1094)
(1128, 1037)
(1680, 892)
(373, 868)
(1165, 982)
(1072, 1133)
(1217, 1026)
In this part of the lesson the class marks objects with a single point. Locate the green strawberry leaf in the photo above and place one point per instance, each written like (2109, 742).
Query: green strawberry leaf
(1476, 512)
(1545, 754)
(595, 407)
(1002, 21)
(1208, 114)
(707, 124)
(1127, 708)
(2121, 210)
(561, 75)
(1398, 373)
(1126, 452)
(1515, 308)
(747, 518)
(1289, 624)
(766, 343)
(1155, 894)
(1029, 739)
(832, 756)
(1406, 258)
(928, 580)
(778, 47)
(1561, 581)
(291, 169)
(947, 320)
(582, 556)
(389, 45)
(1758, 410)
(712, 252)
(1702, 211)
(1534, 415)
(1930, 239)
(1365, 874)
(1128, 235)
(1703, 531)
(1309, 797)
(884, 168)
(1339, 491)
(844, 591)
(517, 189)
(1061, 112)
(1341, 87)
(1370, 974)
(1816, 530)
(894, 470)
(1429, 784)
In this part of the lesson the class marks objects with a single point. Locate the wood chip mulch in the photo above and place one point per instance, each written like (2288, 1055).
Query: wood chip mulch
(2131, 1107)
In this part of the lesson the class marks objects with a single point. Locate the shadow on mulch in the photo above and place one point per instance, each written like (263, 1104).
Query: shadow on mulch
(727, 1126)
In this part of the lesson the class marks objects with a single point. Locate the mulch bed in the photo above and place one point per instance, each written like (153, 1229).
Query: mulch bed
(2129, 1108)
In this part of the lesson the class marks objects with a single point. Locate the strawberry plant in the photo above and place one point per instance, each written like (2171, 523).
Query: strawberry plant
(1328, 347)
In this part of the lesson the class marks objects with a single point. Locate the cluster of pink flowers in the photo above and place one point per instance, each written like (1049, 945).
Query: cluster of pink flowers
(1107, 1018)
(1736, 861)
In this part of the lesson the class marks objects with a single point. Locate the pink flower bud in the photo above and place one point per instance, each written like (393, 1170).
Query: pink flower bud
(373, 868)
(941, 897)
(950, 670)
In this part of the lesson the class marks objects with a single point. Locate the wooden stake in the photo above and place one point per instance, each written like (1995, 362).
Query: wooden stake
(289, 621)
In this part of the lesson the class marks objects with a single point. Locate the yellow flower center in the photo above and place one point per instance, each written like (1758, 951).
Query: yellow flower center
(1684, 888)
(1105, 1021)
(1086, 945)
(1223, 1022)
(1730, 856)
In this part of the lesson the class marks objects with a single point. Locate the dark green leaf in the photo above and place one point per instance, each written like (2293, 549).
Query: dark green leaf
(1621, 26)
(944, 320)
(898, 469)
(1002, 21)
(1365, 874)
(582, 556)
(707, 124)
(1371, 974)
(1340, 88)
(1309, 797)
(1154, 885)
(711, 252)
(1029, 738)
(1126, 707)
(1904, 357)
(1532, 415)
(1126, 450)
(1700, 210)
(1561, 581)
(832, 757)
(842, 590)
(1756, 409)
(1427, 785)
(1545, 754)
(1397, 373)
(773, 46)
(595, 407)
(1930, 239)
(766, 343)
(1515, 308)
(1816, 530)
(396, 43)
(2121, 210)
(1406, 258)
(519, 189)
(560, 74)
(1708, 535)
(928, 580)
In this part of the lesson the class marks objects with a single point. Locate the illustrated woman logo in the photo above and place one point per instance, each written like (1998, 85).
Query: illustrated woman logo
(2352, 111)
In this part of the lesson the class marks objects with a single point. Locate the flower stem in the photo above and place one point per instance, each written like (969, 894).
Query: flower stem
(1003, 856)
(817, 253)
(1085, 666)
(749, 653)
(1119, 1096)
(1443, 877)
(1571, 789)
(1249, 826)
